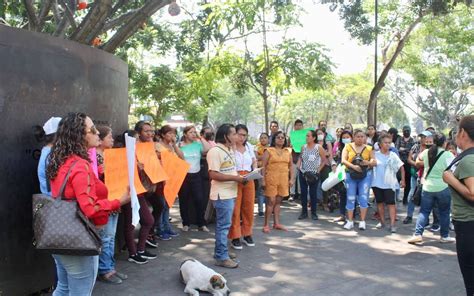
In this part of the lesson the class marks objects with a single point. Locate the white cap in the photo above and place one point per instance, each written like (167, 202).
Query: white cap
(51, 126)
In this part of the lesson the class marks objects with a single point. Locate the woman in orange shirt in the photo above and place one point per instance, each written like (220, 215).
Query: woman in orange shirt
(278, 178)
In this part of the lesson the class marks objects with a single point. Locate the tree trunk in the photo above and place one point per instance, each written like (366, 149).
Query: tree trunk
(134, 24)
(93, 22)
(265, 110)
(372, 107)
(265, 71)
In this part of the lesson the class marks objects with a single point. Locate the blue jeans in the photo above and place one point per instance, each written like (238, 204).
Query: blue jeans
(313, 191)
(107, 234)
(224, 209)
(165, 225)
(76, 275)
(411, 205)
(260, 196)
(361, 187)
(443, 198)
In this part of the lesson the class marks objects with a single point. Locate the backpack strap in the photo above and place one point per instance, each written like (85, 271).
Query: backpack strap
(455, 162)
(436, 159)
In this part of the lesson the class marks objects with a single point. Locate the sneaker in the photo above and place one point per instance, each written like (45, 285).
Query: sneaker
(151, 242)
(121, 276)
(303, 216)
(415, 239)
(137, 259)
(112, 279)
(314, 216)
(447, 239)
(261, 214)
(362, 225)
(185, 228)
(172, 233)
(380, 225)
(204, 228)
(249, 241)
(407, 220)
(393, 229)
(147, 255)
(435, 228)
(236, 244)
(165, 236)
(339, 219)
(349, 225)
(228, 263)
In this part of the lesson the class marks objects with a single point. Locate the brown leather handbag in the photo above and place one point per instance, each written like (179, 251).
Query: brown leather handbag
(60, 227)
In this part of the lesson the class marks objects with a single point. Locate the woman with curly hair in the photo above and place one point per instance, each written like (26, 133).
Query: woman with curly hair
(75, 135)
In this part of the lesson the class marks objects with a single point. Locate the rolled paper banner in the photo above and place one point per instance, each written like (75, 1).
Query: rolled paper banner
(334, 178)
(330, 182)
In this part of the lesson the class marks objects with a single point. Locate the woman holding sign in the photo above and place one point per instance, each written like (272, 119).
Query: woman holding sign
(278, 178)
(192, 188)
(107, 272)
(137, 252)
(168, 143)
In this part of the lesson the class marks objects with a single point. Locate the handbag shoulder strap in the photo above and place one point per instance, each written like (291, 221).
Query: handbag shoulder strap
(48, 183)
(459, 157)
(355, 151)
(228, 154)
(63, 185)
(436, 160)
(454, 162)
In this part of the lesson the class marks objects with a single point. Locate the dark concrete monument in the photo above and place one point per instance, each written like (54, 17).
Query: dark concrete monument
(42, 76)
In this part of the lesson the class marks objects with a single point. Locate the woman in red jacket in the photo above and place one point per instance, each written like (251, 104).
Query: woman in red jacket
(75, 135)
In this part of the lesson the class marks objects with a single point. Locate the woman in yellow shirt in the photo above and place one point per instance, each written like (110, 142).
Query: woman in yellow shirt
(359, 160)
(277, 170)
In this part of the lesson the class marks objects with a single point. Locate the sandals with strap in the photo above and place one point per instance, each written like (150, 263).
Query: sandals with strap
(279, 227)
(266, 229)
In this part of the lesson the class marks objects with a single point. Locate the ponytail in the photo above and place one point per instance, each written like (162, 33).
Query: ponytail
(438, 141)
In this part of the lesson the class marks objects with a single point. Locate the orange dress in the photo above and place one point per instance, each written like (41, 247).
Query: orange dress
(277, 172)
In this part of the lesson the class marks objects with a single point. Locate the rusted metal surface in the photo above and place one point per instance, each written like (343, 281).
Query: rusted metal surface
(42, 76)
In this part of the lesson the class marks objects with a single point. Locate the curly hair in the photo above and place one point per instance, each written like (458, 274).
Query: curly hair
(70, 139)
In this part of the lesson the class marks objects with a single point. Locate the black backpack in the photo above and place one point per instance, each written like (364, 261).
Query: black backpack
(355, 175)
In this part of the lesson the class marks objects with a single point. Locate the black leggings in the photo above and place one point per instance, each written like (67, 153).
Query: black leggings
(465, 250)
(191, 192)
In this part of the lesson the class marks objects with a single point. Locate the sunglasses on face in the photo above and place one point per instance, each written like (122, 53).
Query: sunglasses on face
(93, 130)
(280, 138)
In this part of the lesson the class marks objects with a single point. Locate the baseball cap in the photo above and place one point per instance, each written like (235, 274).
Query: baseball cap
(426, 134)
(51, 126)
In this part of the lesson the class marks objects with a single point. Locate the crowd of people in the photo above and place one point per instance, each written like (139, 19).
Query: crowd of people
(436, 173)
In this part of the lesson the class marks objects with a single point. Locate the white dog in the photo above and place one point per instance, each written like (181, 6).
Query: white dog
(198, 277)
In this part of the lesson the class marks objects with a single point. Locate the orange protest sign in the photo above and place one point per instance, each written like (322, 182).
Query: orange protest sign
(151, 164)
(116, 173)
(176, 168)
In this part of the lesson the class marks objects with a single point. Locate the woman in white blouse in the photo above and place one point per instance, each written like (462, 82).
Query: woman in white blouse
(242, 218)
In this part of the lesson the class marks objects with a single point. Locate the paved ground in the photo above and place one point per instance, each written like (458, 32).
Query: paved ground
(312, 258)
